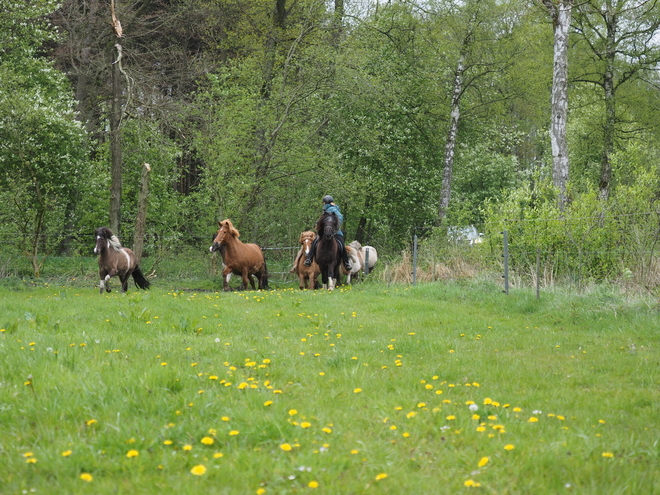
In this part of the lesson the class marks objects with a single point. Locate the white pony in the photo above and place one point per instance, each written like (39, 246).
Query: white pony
(359, 256)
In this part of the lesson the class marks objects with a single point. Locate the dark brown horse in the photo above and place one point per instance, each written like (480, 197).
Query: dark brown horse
(238, 258)
(306, 274)
(115, 260)
(328, 254)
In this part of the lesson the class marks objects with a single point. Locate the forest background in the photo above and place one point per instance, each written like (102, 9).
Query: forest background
(416, 116)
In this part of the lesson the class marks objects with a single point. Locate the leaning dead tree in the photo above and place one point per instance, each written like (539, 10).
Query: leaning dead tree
(115, 125)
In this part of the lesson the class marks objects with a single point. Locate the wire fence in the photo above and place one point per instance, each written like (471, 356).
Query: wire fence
(535, 252)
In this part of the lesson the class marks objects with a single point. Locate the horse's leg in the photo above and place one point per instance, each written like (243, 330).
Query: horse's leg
(104, 277)
(124, 281)
(226, 275)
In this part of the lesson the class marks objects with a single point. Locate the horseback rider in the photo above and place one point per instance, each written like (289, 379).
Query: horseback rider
(330, 206)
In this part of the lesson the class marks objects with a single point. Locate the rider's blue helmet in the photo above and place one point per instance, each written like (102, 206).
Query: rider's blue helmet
(327, 199)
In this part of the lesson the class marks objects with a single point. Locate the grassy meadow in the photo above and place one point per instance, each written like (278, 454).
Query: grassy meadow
(436, 388)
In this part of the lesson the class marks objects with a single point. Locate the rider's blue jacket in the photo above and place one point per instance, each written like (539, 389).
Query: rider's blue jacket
(333, 208)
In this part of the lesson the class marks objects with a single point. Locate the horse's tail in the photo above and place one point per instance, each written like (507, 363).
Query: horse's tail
(139, 279)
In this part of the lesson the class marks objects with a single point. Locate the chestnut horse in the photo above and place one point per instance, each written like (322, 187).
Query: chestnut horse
(115, 260)
(328, 254)
(306, 274)
(238, 258)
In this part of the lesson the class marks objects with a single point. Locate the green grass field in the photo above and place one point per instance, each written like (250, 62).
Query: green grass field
(437, 388)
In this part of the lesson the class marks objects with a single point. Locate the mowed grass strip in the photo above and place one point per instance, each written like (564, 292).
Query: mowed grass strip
(440, 388)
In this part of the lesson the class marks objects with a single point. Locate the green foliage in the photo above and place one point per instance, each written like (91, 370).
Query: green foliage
(591, 240)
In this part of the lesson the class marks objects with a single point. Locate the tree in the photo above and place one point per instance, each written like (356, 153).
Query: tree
(42, 146)
(560, 13)
(617, 43)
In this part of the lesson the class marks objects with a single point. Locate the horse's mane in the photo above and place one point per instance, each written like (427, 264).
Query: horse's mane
(114, 242)
(232, 230)
(306, 234)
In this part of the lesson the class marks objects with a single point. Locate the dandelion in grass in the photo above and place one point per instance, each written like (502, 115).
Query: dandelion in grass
(305, 424)
(207, 441)
(198, 470)
(66, 453)
(313, 484)
(233, 433)
(187, 448)
(533, 419)
(327, 430)
(483, 461)
(472, 483)
(261, 491)
(381, 476)
(509, 447)
(86, 477)
(218, 455)
(168, 442)
(357, 390)
(90, 422)
(132, 453)
(292, 412)
(411, 414)
(286, 447)
(608, 454)
(268, 403)
(451, 417)
(31, 460)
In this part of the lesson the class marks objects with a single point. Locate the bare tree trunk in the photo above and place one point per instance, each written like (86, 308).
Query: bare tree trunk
(115, 129)
(140, 222)
(610, 111)
(448, 170)
(115, 148)
(560, 11)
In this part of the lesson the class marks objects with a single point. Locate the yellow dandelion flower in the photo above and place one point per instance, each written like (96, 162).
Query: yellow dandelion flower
(31, 460)
(286, 447)
(86, 477)
(260, 491)
(451, 417)
(268, 403)
(509, 447)
(483, 461)
(168, 442)
(421, 404)
(313, 484)
(292, 412)
(608, 454)
(90, 422)
(533, 419)
(468, 482)
(218, 455)
(516, 409)
(225, 418)
(132, 453)
(327, 430)
(187, 448)
(355, 451)
(381, 476)
(305, 424)
(66, 453)
(207, 441)
(481, 428)
(357, 390)
(233, 433)
(411, 414)
(198, 470)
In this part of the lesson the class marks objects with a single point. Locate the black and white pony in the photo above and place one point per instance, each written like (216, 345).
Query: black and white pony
(116, 261)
